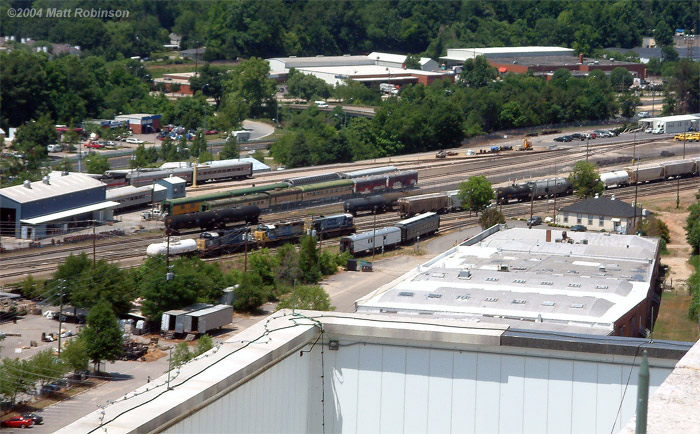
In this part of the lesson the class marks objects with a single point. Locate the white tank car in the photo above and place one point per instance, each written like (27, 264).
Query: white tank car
(615, 179)
(177, 247)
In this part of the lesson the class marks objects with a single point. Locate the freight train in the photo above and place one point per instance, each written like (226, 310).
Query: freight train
(403, 232)
(225, 240)
(651, 173)
(285, 195)
(212, 219)
(542, 188)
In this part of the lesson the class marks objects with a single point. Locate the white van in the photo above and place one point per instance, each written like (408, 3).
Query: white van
(321, 104)
(658, 130)
(54, 148)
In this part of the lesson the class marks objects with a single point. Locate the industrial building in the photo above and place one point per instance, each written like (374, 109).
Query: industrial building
(673, 124)
(174, 185)
(329, 372)
(554, 280)
(601, 214)
(373, 68)
(539, 60)
(141, 123)
(181, 79)
(53, 205)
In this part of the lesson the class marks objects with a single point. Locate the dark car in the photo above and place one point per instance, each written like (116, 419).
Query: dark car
(534, 221)
(578, 228)
(38, 420)
(563, 139)
(577, 136)
(17, 422)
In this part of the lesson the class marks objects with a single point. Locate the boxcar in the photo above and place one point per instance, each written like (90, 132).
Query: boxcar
(418, 226)
(678, 168)
(381, 238)
(435, 202)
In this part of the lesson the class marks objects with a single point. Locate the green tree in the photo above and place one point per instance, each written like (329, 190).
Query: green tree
(230, 149)
(210, 81)
(287, 265)
(15, 378)
(103, 338)
(250, 293)
(310, 297)
(307, 86)
(491, 217)
(103, 282)
(32, 139)
(586, 179)
(475, 193)
(412, 62)
(684, 83)
(67, 277)
(621, 79)
(181, 354)
(692, 227)
(96, 163)
(30, 287)
(75, 355)
(65, 165)
(309, 259)
(477, 72)
(46, 367)
(249, 82)
(199, 144)
(628, 104)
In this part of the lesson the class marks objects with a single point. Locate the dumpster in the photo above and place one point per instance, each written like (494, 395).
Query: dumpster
(365, 266)
(352, 265)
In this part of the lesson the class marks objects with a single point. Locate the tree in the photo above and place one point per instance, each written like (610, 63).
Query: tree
(628, 104)
(491, 217)
(14, 379)
(250, 293)
(46, 367)
(65, 165)
(621, 79)
(309, 260)
(692, 227)
(96, 163)
(287, 269)
(103, 282)
(32, 139)
(75, 355)
(477, 72)
(199, 144)
(103, 338)
(586, 179)
(412, 62)
(475, 193)
(230, 149)
(310, 297)
(184, 353)
(249, 83)
(307, 86)
(210, 81)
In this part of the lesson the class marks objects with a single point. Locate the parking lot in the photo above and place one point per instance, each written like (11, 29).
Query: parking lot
(28, 329)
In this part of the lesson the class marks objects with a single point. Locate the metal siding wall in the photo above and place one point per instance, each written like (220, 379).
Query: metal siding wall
(488, 377)
(559, 396)
(393, 385)
(439, 391)
(369, 388)
(344, 378)
(610, 387)
(416, 392)
(512, 394)
(280, 391)
(464, 392)
(536, 387)
(583, 398)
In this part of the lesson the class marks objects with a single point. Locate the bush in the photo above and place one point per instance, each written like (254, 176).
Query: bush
(311, 297)
(251, 293)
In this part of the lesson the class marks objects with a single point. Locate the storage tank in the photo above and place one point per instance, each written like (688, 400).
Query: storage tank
(616, 178)
(547, 187)
(678, 168)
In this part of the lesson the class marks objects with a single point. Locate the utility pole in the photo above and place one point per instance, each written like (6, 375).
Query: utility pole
(245, 255)
(374, 233)
(94, 257)
(168, 276)
(636, 185)
(532, 202)
(642, 396)
(587, 140)
(60, 316)
(634, 148)
(170, 357)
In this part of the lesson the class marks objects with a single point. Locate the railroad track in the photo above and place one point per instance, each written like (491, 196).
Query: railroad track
(126, 249)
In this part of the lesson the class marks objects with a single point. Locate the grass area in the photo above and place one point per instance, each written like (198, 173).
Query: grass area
(673, 323)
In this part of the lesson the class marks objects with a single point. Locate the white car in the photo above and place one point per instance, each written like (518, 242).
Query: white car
(321, 104)
(135, 141)
(471, 152)
(54, 148)
(648, 130)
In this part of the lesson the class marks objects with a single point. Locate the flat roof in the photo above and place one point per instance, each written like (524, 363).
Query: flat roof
(515, 274)
(58, 185)
(397, 58)
(557, 60)
(298, 62)
(352, 71)
(71, 212)
(677, 118)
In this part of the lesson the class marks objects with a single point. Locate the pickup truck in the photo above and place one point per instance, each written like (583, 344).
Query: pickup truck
(154, 214)
(443, 154)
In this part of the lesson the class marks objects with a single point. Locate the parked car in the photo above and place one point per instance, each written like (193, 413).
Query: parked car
(658, 130)
(577, 136)
(210, 132)
(135, 141)
(591, 135)
(48, 389)
(94, 145)
(54, 148)
(642, 115)
(602, 133)
(534, 221)
(562, 139)
(321, 104)
(578, 228)
(111, 144)
(17, 422)
(38, 420)
(648, 130)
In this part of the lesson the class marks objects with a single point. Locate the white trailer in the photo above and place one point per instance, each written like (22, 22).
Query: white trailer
(174, 320)
(366, 241)
(211, 318)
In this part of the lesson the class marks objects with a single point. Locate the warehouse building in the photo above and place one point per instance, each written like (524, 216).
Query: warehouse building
(601, 214)
(53, 205)
(673, 124)
(141, 123)
(332, 372)
(399, 61)
(550, 280)
(539, 60)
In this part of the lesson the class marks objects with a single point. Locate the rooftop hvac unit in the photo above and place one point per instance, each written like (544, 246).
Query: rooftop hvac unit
(601, 268)
(503, 267)
(584, 241)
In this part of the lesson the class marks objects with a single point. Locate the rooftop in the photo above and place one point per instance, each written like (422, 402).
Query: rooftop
(603, 206)
(677, 118)
(360, 70)
(556, 61)
(57, 185)
(516, 275)
(397, 58)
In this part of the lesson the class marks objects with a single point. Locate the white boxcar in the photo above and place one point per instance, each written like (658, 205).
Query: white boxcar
(614, 179)
(646, 173)
(678, 168)
(365, 242)
(202, 321)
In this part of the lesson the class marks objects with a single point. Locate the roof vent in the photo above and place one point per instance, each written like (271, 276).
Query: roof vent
(464, 274)
(584, 241)
(503, 267)
(27, 183)
(601, 268)
(45, 180)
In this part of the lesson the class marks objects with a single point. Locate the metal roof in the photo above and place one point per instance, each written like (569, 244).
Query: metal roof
(603, 206)
(70, 213)
(210, 310)
(677, 118)
(329, 184)
(416, 218)
(370, 234)
(56, 186)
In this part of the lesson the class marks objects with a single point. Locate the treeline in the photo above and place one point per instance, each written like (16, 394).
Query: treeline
(433, 117)
(231, 29)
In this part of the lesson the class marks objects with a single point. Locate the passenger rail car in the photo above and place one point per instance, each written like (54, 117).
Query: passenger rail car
(313, 179)
(133, 197)
(186, 205)
(369, 172)
(139, 178)
(381, 239)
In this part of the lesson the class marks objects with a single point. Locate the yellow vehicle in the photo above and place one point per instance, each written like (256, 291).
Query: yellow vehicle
(526, 146)
(688, 137)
